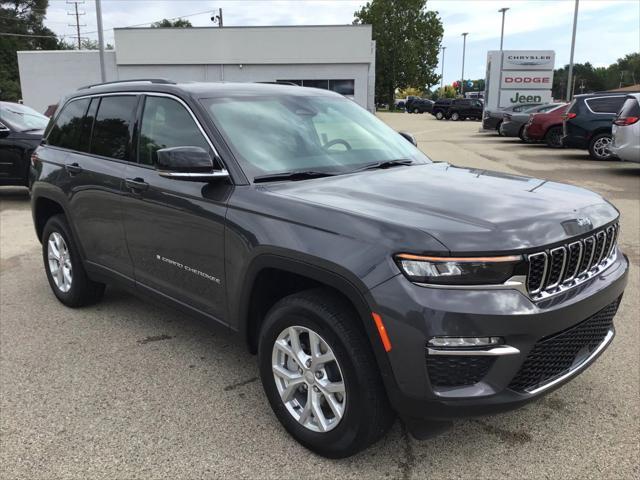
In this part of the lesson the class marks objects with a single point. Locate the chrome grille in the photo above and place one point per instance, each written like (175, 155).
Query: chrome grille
(555, 270)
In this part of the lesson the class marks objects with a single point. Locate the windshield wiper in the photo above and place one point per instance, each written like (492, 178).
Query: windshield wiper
(384, 164)
(299, 175)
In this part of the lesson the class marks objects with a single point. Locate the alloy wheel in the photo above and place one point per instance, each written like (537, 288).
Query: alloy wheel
(309, 379)
(601, 147)
(59, 259)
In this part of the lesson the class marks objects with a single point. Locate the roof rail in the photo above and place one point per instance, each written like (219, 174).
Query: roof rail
(133, 80)
(280, 82)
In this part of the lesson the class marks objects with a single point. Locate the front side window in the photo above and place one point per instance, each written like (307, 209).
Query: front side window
(285, 133)
(66, 130)
(166, 123)
(111, 130)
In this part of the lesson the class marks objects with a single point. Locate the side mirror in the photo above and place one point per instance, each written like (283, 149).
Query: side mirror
(187, 163)
(409, 138)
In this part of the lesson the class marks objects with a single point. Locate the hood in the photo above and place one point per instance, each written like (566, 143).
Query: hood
(35, 135)
(467, 210)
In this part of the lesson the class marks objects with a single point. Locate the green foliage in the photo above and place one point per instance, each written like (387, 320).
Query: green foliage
(409, 91)
(408, 41)
(22, 17)
(179, 23)
(448, 92)
(624, 72)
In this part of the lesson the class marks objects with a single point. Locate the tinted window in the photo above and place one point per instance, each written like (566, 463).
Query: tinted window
(605, 104)
(65, 132)
(630, 108)
(111, 136)
(166, 123)
(86, 127)
(343, 87)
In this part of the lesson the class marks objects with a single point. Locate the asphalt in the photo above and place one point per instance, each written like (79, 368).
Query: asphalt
(126, 389)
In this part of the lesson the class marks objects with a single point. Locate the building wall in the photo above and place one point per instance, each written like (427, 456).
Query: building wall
(246, 54)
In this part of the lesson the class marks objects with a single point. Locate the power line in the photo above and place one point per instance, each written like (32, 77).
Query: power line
(77, 14)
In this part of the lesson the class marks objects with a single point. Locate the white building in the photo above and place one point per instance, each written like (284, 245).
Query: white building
(336, 57)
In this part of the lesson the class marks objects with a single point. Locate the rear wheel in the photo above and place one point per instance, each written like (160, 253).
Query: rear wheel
(455, 116)
(553, 137)
(64, 268)
(319, 375)
(599, 147)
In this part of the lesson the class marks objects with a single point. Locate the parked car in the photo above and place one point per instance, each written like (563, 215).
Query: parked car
(21, 130)
(419, 105)
(440, 108)
(513, 124)
(369, 280)
(463, 108)
(626, 130)
(587, 123)
(491, 119)
(546, 127)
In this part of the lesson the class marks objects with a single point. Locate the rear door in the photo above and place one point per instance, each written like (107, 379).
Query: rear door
(99, 144)
(175, 228)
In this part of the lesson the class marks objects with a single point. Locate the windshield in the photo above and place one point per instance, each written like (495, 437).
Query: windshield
(276, 134)
(21, 118)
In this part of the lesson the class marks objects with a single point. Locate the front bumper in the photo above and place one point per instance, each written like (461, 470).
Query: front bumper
(509, 128)
(413, 314)
(490, 123)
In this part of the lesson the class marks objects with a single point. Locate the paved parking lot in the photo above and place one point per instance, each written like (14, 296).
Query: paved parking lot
(126, 389)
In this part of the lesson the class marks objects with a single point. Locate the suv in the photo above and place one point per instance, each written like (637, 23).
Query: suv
(370, 280)
(626, 130)
(587, 123)
(419, 105)
(441, 107)
(463, 108)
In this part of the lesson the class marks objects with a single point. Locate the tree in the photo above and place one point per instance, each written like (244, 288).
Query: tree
(179, 23)
(22, 19)
(408, 41)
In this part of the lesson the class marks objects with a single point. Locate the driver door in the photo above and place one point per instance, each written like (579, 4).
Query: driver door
(175, 228)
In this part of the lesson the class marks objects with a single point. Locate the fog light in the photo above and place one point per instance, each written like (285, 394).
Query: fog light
(451, 342)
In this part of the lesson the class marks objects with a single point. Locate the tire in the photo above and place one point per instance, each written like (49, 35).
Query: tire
(415, 110)
(366, 414)
(455, 116)
(598, 147)
(439, 115)
(71, 286)
(553, 137)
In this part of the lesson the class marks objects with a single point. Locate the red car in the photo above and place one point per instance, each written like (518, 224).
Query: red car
(546, 126)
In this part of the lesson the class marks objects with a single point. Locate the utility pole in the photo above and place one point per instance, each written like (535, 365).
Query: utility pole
(573, 46)
(442, 76)
(503, 10)
(218, 18)
(464, 48)
(100, 40)
(77, 14)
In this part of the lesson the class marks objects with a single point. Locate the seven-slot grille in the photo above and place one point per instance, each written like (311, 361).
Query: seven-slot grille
(561, 266)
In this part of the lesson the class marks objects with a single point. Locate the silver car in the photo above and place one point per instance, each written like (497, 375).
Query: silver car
(626, 130)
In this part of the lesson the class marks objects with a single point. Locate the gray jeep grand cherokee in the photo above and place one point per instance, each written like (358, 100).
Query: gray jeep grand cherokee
(370, 280)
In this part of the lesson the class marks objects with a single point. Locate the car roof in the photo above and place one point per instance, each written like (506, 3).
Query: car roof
(202, 89)
(582, 96)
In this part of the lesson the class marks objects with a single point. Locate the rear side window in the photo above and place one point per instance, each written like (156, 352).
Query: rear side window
(605, 104)
(111, 130)
(630, 108)
(166, 123)
(65, 132)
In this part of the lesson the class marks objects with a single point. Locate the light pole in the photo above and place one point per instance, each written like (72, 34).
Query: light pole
(464, 47)
(100, 40)
(573, 46)
(442, 76)
(503, 10)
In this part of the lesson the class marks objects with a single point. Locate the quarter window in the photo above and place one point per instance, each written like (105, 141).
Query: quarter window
(605, 104)
(65, 132)
(166, 123)
(111, 130)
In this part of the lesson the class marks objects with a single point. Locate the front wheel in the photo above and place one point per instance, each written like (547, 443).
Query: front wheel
(319, 374)
(599, 147)
(439, 115)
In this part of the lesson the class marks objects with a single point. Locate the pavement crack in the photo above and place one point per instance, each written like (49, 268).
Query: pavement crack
(156, 338)
(233, 386)
(406, 464)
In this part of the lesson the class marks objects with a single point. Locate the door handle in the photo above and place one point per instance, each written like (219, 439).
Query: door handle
(136, 184)
(73, 168)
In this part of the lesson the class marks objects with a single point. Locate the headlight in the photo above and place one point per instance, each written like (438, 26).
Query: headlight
(460, 270)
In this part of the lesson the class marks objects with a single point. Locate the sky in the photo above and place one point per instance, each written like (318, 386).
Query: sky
(607, 29)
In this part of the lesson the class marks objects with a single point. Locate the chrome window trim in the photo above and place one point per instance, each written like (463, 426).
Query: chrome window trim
(578, 368)
(481, 352)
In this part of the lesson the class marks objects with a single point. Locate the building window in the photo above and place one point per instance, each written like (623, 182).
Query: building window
(343, 87)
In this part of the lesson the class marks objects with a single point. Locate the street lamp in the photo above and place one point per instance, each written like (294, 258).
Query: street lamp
(464, 47)
(573, 46)
(442, 76)
(503, 11)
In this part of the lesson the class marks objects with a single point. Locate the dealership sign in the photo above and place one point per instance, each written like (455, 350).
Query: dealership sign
(528, 60)
(515, 97)
(526, 78)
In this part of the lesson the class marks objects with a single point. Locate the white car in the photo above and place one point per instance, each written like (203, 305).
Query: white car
(626, 130)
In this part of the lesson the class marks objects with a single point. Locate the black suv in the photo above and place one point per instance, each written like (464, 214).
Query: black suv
(369, 280)
(419, 105)
(587, 123)
(458, 109)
